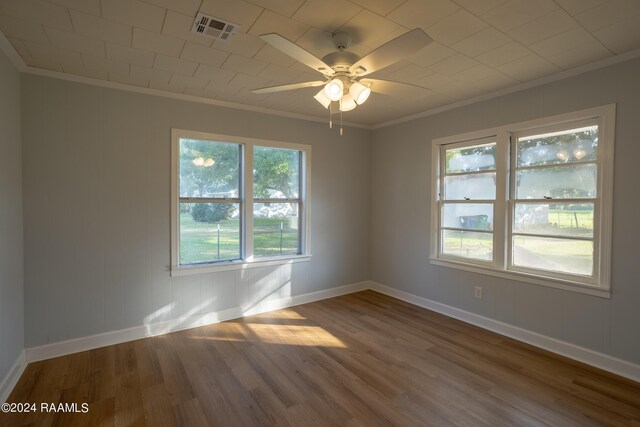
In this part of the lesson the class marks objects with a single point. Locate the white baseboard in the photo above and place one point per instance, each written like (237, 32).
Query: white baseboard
(590, 357)
(12, 377)
(63, 348)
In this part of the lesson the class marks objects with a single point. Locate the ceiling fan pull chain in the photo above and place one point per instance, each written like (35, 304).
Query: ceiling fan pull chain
(340, 122)
(330, 120)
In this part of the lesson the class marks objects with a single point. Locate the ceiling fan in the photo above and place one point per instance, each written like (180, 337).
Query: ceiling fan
(344, 72)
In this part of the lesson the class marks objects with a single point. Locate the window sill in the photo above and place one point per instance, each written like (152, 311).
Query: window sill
(550, 282)
(237, 265)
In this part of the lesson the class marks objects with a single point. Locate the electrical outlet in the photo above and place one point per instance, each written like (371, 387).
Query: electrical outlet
(478, 292)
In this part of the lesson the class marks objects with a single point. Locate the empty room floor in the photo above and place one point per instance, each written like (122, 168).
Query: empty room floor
(363, 359)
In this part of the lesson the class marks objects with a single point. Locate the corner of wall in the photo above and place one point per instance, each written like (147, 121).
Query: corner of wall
(12, 242)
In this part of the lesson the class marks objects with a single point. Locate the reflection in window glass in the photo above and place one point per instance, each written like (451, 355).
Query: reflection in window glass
(209, 232)
(557, 182)
(276, 229)
(480, 186)
(574, 145)
(471, 159)
(209, 169)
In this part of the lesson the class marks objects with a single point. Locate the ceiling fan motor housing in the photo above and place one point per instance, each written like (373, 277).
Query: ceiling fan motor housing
(341, 60)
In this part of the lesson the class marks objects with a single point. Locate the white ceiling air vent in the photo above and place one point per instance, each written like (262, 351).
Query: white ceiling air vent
(214, 28)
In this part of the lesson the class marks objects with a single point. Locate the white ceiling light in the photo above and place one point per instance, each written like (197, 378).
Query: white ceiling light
(347, 103)
(579, 153)
(322, 98)
(359, 92)
(334, 89)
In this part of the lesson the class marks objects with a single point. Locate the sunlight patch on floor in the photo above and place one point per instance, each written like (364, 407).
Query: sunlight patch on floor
(280, 314)
(272, 334)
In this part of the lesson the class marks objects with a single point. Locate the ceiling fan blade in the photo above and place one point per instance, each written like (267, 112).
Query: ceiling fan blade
(296, 52)
(391, 52)
(388, 87)
(292, 86)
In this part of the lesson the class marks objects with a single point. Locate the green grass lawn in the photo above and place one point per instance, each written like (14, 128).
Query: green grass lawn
(199, 240)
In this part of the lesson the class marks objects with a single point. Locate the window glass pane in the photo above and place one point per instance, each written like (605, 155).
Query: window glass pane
(276, 173)
(471, 159)
(468, 244)
(480, 186)
(209, 232)
(209, 169)
(559, 147)
(560, 255)
(275, 229)
(562, 219)
(470, 216)
(558, 182)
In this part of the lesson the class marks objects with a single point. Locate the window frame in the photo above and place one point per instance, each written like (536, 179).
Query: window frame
(442, 201)
(247, 200)
(506, 138)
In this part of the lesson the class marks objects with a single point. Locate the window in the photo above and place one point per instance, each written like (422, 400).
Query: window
(530, 201)
(553, 201)
(468, 197)
(277, 202)
(210, 201)
(237, 202)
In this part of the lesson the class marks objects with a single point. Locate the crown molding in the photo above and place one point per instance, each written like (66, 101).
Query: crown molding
(9, 50)
(180, 96)
(617, 59)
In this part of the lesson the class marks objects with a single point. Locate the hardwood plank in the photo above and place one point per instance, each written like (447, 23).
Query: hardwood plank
(362, 359)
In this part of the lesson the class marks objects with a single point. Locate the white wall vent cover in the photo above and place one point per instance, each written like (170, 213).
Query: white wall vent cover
(214, 28)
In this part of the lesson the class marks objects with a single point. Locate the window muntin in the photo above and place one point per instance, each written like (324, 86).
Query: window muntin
(277, 222)
(554, 185)
(545, 234)
(468, 196)
(213, 179)
(210, 201)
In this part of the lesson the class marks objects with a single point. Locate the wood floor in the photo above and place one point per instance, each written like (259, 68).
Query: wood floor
(363, 359)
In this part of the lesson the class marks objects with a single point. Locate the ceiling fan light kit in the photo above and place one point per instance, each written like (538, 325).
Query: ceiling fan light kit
(343, 71)
(347, 103)
(322, 98)
(359, 92)
(334, 89)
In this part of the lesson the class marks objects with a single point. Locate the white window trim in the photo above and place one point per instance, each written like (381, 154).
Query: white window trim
(246, 181)
(601, 286)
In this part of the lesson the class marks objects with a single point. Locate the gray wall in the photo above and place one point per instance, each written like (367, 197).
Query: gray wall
(97, 229)
(401, 216)
(11, 289)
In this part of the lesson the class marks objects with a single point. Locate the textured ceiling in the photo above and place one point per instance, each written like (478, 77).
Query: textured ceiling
(479, 46)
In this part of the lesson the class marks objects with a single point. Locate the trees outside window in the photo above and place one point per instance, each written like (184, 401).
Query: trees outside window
(236, 199)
